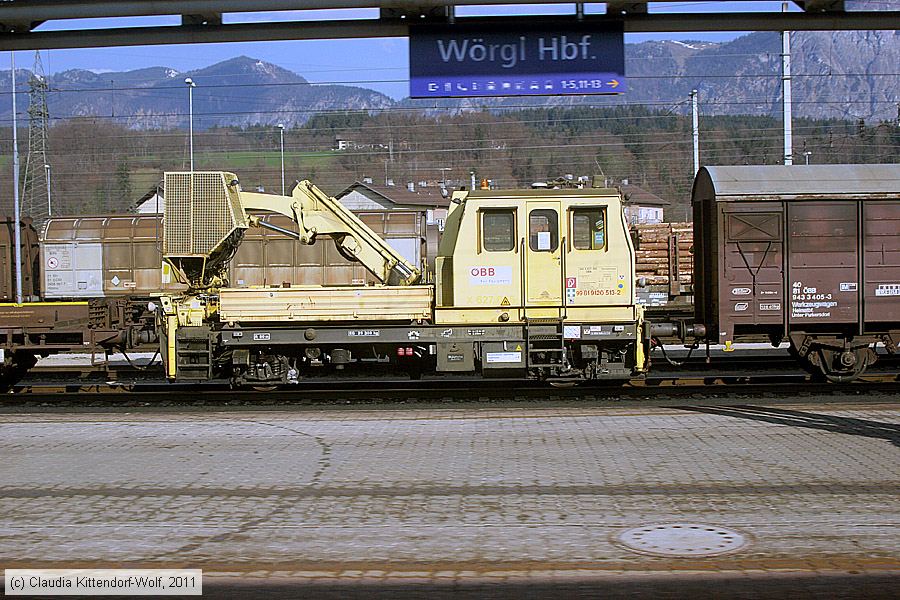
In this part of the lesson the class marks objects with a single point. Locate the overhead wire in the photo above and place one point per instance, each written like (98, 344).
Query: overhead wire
(495, 150)
(200, 115)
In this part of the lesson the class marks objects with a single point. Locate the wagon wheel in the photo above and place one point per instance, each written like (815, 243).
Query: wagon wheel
(7, 380)
(842, 366)
(17, 366)
(564, 385)
(563, 382)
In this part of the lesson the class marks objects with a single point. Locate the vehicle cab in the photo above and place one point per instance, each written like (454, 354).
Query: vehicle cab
(514, 255)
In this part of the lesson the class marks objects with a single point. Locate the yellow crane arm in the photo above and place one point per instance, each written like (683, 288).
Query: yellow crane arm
(206, 213)
(316, 213)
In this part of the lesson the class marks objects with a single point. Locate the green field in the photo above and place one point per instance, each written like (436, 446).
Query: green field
(237, 161)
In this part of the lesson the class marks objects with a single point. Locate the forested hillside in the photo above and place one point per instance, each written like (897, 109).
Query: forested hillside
(99, 166)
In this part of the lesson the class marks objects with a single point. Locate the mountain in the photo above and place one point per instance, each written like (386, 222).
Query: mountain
(240, 92)
(834, 74)
(846, 75)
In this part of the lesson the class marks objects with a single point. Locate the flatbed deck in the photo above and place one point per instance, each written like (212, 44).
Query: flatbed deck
(326, 304)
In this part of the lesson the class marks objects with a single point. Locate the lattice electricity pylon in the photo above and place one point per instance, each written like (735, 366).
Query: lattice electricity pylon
(36, 192)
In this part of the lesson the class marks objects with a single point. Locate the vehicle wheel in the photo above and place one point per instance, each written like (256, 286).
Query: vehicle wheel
(842, 366)
(564, 385)
(13, 371)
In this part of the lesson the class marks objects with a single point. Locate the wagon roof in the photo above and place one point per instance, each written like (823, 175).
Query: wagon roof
(801, 181)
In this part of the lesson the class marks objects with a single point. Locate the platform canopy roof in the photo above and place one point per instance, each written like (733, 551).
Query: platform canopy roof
(41, 24)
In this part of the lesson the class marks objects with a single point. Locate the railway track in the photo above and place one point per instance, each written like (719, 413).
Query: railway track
(660, 388)
(676, 364)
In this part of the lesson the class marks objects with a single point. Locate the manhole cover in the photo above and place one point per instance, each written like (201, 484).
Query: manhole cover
(682, 539)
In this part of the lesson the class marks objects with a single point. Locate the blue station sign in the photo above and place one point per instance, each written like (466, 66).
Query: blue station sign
(457, 61)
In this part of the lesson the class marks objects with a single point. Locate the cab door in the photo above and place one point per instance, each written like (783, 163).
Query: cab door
(543, 246)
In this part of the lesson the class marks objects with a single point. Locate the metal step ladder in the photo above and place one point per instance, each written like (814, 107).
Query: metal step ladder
(545, 343)
(193, 354)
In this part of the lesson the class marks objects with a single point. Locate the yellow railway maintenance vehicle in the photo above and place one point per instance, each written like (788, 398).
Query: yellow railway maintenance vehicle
(535, 284)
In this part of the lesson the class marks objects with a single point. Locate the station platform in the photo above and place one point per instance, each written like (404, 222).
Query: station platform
(727, 501)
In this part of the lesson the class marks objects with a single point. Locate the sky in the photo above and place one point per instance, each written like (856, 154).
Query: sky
(379, 64)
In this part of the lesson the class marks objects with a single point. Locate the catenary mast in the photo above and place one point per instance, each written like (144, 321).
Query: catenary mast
(36, 190)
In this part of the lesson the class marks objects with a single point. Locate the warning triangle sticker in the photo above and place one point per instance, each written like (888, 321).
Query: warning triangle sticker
(505, 301)
(518, 347)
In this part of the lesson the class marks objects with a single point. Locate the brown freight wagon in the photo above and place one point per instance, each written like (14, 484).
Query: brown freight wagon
(664, 268)
(119, 255)
(104, 256)
(269, 258)
(808, 254)
(32, 328)
(30, 263)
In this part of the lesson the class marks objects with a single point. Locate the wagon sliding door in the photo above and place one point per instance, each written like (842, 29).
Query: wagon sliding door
(823, 272)
(752, 286)
(882, 262)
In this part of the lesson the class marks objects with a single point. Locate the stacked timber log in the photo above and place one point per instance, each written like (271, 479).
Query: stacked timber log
(652, 244)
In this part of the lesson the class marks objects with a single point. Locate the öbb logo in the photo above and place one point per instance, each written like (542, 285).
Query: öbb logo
(483, 272)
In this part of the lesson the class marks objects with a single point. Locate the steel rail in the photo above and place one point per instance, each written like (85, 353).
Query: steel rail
(659, 390)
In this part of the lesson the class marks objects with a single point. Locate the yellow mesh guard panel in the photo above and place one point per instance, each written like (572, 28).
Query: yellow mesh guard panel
(202, 210)
(177, 222)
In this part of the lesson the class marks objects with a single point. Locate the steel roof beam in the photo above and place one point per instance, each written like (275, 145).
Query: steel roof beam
(202, 19)
(821, 5)
(622, 8)
(26, 11)
(32, 10)
(378, 28)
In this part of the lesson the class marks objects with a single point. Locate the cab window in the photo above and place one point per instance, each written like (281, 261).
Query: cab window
(589, 228)
(543, 230)
(498, 230)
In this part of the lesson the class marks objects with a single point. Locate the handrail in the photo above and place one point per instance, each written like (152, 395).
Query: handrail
(562, 272)
(522, 277)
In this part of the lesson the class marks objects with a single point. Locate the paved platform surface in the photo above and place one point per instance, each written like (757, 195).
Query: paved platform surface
(512, 501)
